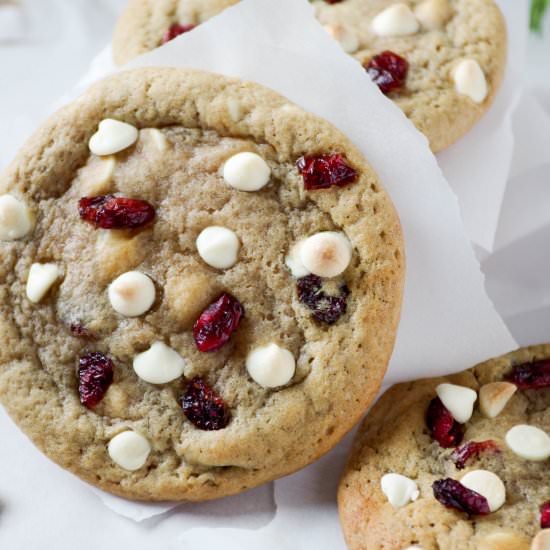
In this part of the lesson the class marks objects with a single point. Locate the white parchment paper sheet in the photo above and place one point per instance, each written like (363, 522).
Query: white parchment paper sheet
(477, 166)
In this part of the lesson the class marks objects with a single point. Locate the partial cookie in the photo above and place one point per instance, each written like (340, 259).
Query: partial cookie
(459, 462)
(159, 335)
(441, 61)
(147, 24)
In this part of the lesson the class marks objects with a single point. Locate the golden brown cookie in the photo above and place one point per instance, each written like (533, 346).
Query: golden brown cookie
(146, 24)
(200, 285)
(441, 61)
(455, 463)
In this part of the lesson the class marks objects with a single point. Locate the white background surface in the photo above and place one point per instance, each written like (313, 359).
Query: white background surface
(44, 507)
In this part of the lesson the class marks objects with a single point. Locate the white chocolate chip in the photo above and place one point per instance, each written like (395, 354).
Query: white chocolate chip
(112, 136)
(433, 14)
(160, 364)
(97, 176)
(132, 294)
(41, 278)
(503, 540)
(129, 450)
(347, 39)
(458, 400)
(235, 110)
(294, 262)
(326, 254)
(493, 397)
(399, 490)
(218, 247)
(271, 366)
(158, 139)
(488, 485)
(397, 20)
(246, 172)
(529, 442)
(470, 80)
(414, 548)
(15, 218)
(105, 171)
(541, 541)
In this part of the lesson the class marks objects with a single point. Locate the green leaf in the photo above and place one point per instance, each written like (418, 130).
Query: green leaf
(538, 7)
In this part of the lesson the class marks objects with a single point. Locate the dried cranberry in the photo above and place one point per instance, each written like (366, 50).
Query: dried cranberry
(325, 308)
(80, 331)
(445, 429)
(534, 375)
(472, 449)
(217, 323)
(453, 494)
(324, 171)
(333, 1)
(110, 212)
(388, 71)
(175, 30)
(95, 375)
(545, 515)
(204, 407)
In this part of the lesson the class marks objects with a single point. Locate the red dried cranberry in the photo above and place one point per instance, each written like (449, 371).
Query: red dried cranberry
(453, 494)
(388, 71)
(80, 331)
(545, 515)
(324, 171)
(95, 375)
(534, 375)
(445, 429)
(217, 323)
(204, 407)
(175, 30)
(327, 309)
(333, 1)
(472, 449)
(110, 212)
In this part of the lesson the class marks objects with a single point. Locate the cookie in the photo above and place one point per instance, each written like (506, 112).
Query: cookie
(441, 61)
(200, 286)
(459, 462)
(147, 24)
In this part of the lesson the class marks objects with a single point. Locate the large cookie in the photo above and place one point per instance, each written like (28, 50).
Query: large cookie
(415, 478)
(450, 60)
(219, 281)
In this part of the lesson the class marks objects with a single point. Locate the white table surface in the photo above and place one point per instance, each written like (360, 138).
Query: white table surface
(59, 514)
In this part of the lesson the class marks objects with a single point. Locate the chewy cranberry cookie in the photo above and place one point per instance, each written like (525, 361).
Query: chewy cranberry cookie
(200, 286)
(441, 61)
(455, 463)
(147, 24)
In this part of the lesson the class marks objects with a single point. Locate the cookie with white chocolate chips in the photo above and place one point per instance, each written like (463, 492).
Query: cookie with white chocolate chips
(441, 61)
(455, 463)
(152, 338)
